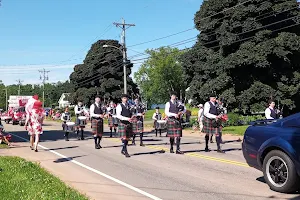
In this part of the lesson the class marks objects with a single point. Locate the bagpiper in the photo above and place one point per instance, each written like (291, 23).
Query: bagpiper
(157, 116)
(174, 128)
(80, 110)
(211, 123)
(112, 118)
(138, 121)
(97, 114)
(125, 124)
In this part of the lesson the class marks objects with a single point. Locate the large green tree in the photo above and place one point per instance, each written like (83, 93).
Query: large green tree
(102, 73)
(246, 52)
(161, 74)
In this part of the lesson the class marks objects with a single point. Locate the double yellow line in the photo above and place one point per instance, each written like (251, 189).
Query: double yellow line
(196, 155)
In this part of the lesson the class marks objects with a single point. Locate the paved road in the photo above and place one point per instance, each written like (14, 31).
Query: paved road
(193, 176)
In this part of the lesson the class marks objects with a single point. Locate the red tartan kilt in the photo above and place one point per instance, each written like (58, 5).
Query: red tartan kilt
(208, 127)
(125, 130)
(110, 122)
(174, 128)
(137, 125)
(97, 127)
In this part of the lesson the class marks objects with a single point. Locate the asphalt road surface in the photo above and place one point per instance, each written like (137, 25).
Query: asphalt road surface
(195, 175)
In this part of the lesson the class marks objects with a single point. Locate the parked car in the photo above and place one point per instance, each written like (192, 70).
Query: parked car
(273, 147)
(19, 116)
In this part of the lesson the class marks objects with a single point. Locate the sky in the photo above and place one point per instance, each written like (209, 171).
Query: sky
(56, 34)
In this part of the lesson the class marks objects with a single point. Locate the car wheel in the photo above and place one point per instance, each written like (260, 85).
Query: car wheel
(280, 172)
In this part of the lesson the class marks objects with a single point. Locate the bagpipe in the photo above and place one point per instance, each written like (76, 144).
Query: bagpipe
(223, 117)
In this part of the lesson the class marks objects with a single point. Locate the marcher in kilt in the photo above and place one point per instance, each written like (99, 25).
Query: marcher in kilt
(157, 116)
(97, 115)
(112, 120)
(174, 128)
(125, 123)
(210, 123)
(138, 121)
(80, 111)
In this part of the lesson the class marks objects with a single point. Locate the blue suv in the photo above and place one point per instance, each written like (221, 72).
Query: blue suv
(273, 147)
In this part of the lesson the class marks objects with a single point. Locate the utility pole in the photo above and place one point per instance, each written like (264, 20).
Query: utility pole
(6, 99)
(44, 77)
(19, 83)
(124, 26)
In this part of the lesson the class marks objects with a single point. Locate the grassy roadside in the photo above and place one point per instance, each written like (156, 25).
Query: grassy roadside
(235, 130)
(3, 146)
(21, 179)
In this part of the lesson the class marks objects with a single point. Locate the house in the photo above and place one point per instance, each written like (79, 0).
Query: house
(63, 100)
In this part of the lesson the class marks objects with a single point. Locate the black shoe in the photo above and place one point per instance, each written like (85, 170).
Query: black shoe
(36, 150)
(142, 145)
(207, 150)
(123, 152)
(82, 138)
(31, 148)
(211, 141)
(99, 146)
(96, 146)
(220, 151)
(78, 138)
(127, 155)
(179, 152)
(171, 151)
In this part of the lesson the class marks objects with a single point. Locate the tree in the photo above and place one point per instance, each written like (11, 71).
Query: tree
(102, 73)
(161, 74)
(247, 53)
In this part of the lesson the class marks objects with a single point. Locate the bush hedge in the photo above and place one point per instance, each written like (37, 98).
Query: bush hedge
(235, 119)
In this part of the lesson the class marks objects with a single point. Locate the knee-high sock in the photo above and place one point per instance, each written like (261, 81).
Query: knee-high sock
(156, 132)
(99, 139)
(160, 132)
(82, 133)
(141, 137)
(178, 143)
(124, 146)
(218, 139)
(95, 138)
(133, 137)
(172, 142)
(206, 141)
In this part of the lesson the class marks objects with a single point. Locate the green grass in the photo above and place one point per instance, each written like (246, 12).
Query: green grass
(3, 146)
(235, 130)
(21, 179)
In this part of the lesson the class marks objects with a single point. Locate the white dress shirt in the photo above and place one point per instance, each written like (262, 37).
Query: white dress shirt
(119, 111)
(169, 114)
(154, 115)
(200, 114)
(92, 110)
(79, 112)
(206, 111)
(268, 113)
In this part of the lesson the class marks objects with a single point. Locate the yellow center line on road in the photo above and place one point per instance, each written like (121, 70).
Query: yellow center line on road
(195, 155)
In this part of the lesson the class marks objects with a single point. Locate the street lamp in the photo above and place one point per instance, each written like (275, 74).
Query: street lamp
(122, 50)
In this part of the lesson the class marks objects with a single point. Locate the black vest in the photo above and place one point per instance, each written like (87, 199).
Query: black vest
(213, 109)
(79, 108)
(98, 110)
(125, 111)
(158, 116)
(273, 113)
(112, 111)
(173, 108)
(140, 109)
(67, 115)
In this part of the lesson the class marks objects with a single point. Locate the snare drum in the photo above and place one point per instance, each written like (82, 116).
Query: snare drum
(70, 127)
(161, 124)
(82, 121)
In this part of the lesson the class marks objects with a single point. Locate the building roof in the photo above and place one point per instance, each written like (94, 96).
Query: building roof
(63, 97)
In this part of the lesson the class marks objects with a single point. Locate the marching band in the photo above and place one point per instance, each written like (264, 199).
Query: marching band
(127, 120)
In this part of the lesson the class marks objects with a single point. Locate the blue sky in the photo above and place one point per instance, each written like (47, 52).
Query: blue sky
(56, 34)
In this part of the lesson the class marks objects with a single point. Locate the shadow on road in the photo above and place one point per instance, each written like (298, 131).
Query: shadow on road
(53, 149)
(148, 153)
(60, 160)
